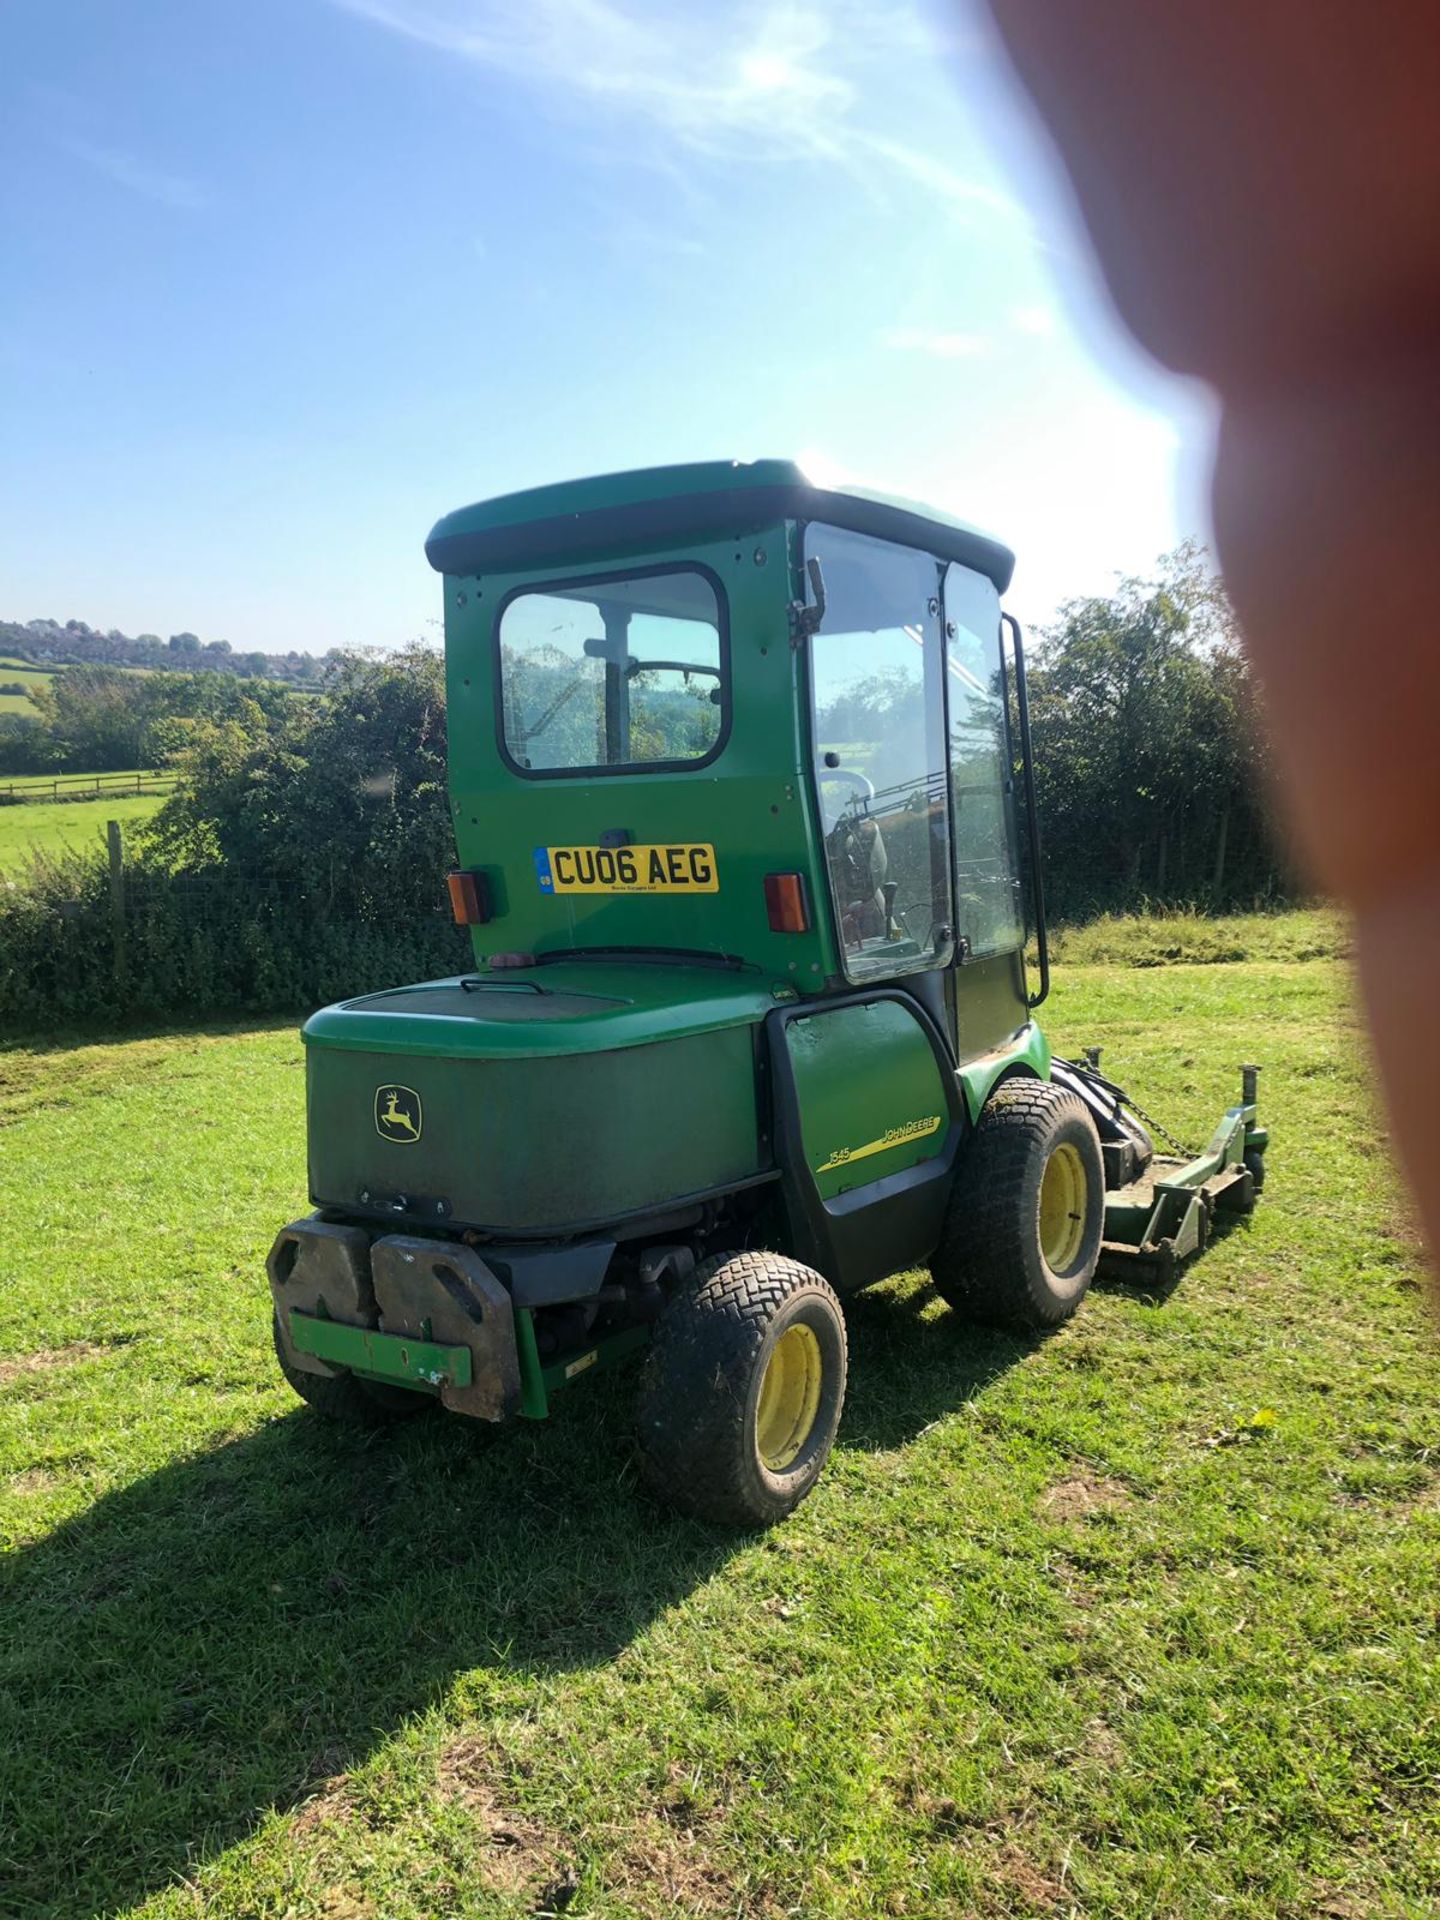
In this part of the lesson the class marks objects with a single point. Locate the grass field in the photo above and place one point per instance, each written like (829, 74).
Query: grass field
(1140, 1620)
(17, 673)
(25, 674)
(66, 824)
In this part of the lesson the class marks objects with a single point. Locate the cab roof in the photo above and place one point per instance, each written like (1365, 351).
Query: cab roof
(575, 519)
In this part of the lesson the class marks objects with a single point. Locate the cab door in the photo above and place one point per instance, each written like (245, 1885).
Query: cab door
(877, 722)
(988, 984)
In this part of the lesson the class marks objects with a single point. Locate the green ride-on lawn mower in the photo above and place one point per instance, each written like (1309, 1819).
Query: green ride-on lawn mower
(732, 777)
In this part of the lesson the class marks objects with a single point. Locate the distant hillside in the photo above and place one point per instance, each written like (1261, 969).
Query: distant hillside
(49, 644)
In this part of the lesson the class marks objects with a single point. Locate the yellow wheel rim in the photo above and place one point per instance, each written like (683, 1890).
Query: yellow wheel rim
(789, 1397)
(1063, 1202)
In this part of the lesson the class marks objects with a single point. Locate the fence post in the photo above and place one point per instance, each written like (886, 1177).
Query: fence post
(116, 847)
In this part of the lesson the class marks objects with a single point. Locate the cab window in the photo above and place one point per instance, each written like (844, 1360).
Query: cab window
(987, 890)
(623, 672)
(878, 737)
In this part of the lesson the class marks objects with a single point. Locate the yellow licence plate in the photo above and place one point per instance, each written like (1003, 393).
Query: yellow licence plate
(685, 868)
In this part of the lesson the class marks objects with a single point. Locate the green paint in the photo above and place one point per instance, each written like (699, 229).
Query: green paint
(1028, 1052)
(383, 1356)
(538, 1382)
(1167, 1211)
(570, 1093)
(752, 803)
(563, 1008)
(872, 1100)
(534, 1403)
(663, 490)
(617, 1075)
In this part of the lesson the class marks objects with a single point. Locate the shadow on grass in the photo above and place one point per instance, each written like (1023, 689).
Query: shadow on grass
(214, 1640)
(909, 1364)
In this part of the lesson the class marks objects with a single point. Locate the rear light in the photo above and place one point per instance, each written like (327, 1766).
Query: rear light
(469, 897)
(787, 903)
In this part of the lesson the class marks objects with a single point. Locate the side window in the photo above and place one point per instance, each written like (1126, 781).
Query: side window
(879, 744)
(627, 671)
(987, 893)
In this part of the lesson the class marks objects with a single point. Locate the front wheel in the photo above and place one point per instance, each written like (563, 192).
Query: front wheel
(742, 1389)
(1026, 1213)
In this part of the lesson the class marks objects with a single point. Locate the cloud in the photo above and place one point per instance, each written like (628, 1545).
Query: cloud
(762, 78)
(1038, 322)
(959, 189)
(943, 346)
(767, 80)
(152, 183)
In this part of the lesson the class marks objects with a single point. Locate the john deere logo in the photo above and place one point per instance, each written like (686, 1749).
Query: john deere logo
(397, 1113)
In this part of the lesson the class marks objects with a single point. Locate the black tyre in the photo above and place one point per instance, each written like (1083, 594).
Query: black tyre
(1026, 1213)
(742, 1389)
(341, 1397)
(1255, 1161)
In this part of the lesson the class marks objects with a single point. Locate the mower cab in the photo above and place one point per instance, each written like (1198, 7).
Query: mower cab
(732, 779)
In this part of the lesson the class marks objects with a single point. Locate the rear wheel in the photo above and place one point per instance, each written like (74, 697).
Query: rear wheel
(742, 1389)
(1026, 1213)
(345, 1398)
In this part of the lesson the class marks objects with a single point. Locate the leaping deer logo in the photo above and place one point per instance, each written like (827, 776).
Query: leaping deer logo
(397, 1113)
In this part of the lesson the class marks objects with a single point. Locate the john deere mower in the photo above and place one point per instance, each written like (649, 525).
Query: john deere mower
(734, 787)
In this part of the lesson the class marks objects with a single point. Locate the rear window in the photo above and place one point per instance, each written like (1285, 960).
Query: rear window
(627, 671)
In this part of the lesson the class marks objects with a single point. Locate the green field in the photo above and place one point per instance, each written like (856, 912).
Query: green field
(14, 672)
(28, 675)
(66, 825)
(1140, 1620)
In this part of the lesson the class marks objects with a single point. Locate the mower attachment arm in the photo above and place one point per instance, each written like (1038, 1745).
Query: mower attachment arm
(1159, 1220)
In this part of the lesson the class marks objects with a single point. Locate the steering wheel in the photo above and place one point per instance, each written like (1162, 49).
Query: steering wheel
(845, 777)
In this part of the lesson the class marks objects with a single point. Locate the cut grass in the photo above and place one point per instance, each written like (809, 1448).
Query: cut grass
(66, 826)
(1136, 1621)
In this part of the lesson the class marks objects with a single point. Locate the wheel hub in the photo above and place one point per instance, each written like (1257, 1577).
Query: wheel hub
(789, 1397)
(1062, 1208)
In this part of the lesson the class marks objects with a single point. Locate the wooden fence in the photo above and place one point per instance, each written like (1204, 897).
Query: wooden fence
(85, 786)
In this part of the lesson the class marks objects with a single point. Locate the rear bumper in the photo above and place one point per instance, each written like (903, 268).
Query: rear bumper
(418, 1313)
(381, 1356)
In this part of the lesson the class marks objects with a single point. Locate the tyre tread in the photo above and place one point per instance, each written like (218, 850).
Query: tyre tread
(980, 1266)
(694, 1388)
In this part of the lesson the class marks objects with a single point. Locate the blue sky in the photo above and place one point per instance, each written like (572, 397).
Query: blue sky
(284, 280)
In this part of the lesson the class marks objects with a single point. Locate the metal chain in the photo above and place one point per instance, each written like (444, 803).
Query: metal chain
(1091, 1072)
(1185, 1153)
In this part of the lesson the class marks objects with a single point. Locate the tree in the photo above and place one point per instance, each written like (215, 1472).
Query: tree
(101, 719)
(1147, 755)
(344, 798)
